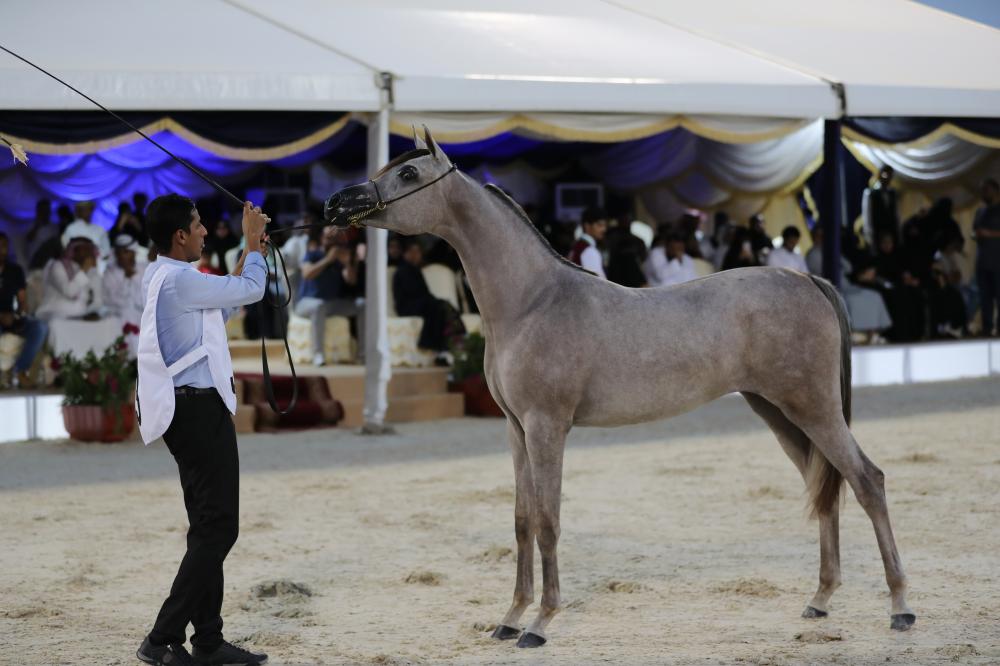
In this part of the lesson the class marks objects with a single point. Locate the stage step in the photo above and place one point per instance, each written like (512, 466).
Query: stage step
(250, 349)
(405, 382)
(423, 407)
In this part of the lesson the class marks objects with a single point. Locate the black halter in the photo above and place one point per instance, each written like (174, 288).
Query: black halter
(355, 219)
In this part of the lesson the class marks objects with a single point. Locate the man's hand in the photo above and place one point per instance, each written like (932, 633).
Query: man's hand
(254, 222)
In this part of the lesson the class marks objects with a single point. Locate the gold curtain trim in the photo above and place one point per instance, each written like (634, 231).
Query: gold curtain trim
(944, 130)
(169, 124)
(548, 130)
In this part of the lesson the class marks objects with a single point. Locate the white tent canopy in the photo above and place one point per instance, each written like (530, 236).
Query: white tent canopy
(558, 55)
(894, 57)
(181, 55)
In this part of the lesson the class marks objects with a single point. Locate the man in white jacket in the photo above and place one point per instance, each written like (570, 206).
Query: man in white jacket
(185, 393)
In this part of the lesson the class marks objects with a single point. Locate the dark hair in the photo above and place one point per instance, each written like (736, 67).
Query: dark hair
(164, 216)
(3, 235)
(675, 237)
(991, 182)
(592, 214)
(791, 232)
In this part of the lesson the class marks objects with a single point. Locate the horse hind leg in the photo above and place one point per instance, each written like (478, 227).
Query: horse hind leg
(834, 439)
(798, 447)
(524, 585)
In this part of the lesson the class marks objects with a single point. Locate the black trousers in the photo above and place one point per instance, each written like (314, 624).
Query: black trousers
(202, 440)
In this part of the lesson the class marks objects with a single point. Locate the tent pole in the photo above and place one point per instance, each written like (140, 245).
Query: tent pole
(377, 366)
(831, 207)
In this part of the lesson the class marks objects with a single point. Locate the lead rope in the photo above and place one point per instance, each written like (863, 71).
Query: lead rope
(268, 385)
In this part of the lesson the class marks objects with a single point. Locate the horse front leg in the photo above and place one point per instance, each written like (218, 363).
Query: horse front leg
(524, 585)
(545, 440)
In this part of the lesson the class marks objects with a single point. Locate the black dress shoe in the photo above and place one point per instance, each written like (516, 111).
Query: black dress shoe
(228, 654)
(164, 655)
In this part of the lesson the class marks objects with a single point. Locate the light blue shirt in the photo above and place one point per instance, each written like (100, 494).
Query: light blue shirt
(184, 295)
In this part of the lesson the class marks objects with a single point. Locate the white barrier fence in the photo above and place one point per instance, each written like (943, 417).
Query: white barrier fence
(30, 416)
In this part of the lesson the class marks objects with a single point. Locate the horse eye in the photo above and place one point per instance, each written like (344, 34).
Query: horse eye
(408, 173)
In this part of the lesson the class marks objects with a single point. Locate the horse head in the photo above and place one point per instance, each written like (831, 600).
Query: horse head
(409, 176)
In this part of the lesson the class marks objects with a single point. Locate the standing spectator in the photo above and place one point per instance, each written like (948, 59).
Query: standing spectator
(394, 249)
(221, 241)
(760, 241)
(987, 230)
(722, 235)
(14, 320)
(122, 281)
(72, 284)
(814, 257)
(586, 250)
(785, 256)
(740, 253)
(128, 223)
(626, 255)
(82, 227)
(414, 299)
(327, 274)
(139, 203)
(42, 230)
(668, 263)
(878, 209)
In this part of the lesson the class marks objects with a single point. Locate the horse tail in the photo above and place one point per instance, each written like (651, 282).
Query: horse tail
(822, 478)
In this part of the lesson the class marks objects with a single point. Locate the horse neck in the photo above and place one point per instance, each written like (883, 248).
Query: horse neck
(507, 264)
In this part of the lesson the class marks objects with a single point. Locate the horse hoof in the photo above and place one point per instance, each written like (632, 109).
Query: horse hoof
(903, 621)
(530, 640)
(811, 613)
(505, 633)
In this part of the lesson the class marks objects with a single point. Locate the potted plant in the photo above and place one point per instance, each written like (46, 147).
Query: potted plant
(469, 378)
(97, 406)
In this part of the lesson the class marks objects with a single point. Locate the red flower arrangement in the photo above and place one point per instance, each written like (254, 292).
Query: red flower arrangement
(106, 380)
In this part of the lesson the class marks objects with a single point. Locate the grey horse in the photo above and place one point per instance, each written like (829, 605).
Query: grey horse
(566, 348)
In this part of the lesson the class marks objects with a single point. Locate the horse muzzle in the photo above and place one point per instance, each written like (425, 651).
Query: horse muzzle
(352, 205)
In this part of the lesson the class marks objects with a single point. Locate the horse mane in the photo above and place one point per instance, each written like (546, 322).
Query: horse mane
(523, 217)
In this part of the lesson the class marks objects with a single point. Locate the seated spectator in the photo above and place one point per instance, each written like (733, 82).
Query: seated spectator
(814, 257)
(986, 228)
(740, 253)
(902, 291)
(786, 256)
(82, 227)
(947, 308)
(128, 223)
(72, 284)
(414, 299)
(14, 320)
(586, 251)
(869, 316)
(328, 272)
(205, 263)
(668, 263)
(122, 281)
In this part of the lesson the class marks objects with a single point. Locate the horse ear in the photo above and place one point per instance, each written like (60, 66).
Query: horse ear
(431, 145)
(417, 141)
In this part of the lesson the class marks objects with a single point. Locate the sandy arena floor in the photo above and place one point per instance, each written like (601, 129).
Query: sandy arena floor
(683, 542)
